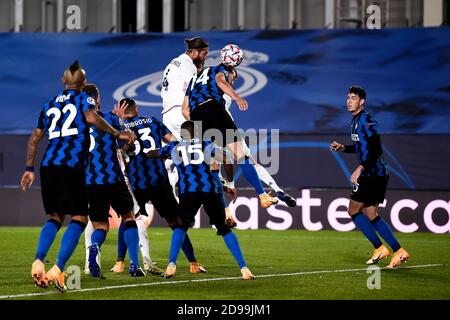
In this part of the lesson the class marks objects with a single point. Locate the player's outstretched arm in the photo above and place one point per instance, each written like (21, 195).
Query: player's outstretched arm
(153, 153)
(96, 120)
(226, 88)
(28, 176)
(336, 146)
(168, 138)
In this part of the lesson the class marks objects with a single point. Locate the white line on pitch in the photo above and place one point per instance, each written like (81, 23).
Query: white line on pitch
(204, 280)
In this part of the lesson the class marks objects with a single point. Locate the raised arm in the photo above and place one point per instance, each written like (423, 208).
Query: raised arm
(226, 88)
(96, 120)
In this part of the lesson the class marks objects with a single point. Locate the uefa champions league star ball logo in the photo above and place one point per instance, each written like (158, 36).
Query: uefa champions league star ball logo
(146, 90)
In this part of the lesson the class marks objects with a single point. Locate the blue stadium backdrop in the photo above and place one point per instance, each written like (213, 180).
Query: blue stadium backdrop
(295, 81)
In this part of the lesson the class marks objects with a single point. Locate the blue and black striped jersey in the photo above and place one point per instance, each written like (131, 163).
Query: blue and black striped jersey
(143, 171)
(62, 118)
(103, 166)
(192, 159)
(204, 87)
(367, 142)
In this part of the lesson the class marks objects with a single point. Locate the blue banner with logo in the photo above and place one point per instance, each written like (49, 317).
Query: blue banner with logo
(295, 81)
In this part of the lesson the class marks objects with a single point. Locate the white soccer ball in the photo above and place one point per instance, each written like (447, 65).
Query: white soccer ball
(231, 55)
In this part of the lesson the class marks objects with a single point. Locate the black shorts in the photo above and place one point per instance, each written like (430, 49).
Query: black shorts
(103, 196)
(370, 190)
(191, 202)
(214, 116)
(162, 198)
(63, 190)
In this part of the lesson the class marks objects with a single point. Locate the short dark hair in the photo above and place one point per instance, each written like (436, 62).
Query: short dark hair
(131, 104)
(359, 91)
(92, 90)
(195, 43)
(188, 125)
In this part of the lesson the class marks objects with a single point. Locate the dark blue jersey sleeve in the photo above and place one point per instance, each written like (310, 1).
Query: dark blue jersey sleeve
(163, 130)
(41, 123)
(166, 151)
(86, 102)
(189, 87)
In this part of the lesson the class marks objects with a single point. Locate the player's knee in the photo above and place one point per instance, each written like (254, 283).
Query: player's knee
(223, 230)
(130, 224)
(128, 216)
(57, 223)
(82, 224)
(179, 224)
(103, 225)
(59, 218)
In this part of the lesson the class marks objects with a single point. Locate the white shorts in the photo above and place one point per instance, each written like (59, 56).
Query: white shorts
(173, 119)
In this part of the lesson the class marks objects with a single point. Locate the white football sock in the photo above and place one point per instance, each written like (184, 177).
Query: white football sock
(265, 177)
(143, 239)
(88, 231)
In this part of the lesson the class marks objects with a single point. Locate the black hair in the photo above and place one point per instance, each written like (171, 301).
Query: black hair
(359, 91)
(74, 66)
(196, 43)
(131, 104)
(188, 125)
(92, 90)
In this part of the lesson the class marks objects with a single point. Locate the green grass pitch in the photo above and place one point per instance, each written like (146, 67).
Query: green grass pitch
(289, 265)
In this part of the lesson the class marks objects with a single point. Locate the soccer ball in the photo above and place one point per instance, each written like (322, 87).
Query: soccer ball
(231, 55)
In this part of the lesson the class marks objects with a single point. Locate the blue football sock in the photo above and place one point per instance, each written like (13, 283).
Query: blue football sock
(365, 226)
(98, 237)
(188, 249)
(69, 242)
(386, 233)
(178, 236)
(216, 176)
(48, 234)
(249, 172)
(121, 244)
(233, 245)
(131, 236)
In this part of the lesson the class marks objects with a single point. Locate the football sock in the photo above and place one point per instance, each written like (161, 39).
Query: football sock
(386, 233)
(69, 242)
(98, 237)
(188, 249)
(216, 176)
(366, 227)
(143, 239)
(265, 177)
(48, 234)
(233, 245)
(175, 244)
(88, 231)
(121, 244)
(132, 241)
(249, 172)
